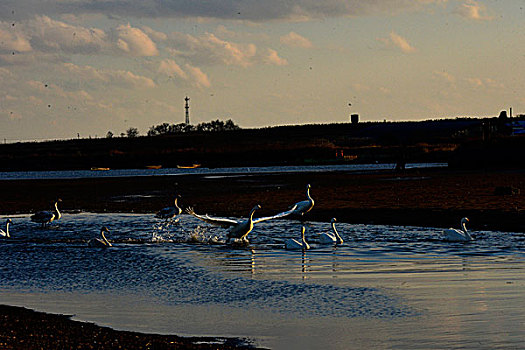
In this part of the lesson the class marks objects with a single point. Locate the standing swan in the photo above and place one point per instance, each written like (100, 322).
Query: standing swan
(331, 238)
(455, 235)
(100, 243)
(169, 213)
(46, 217)
(291, 243)
(5, 233)
(305, 206)
(239, 228)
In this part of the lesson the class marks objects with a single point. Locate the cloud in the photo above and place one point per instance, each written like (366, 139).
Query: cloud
(199, 78)
(188, 73)
(11, 41)
(155, 35)
(48, 35)
(135, 42)
(208, 49)
(122, 78)
(171, 68)
(484, 83)
(272, 57)
(472, 9)
(398, 41)
(295, 40)
(257, 11)
(445, 76)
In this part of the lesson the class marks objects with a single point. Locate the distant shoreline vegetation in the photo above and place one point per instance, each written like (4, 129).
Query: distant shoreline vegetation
(213, 126)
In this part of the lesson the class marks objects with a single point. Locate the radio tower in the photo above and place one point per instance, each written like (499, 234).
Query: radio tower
(187, 106)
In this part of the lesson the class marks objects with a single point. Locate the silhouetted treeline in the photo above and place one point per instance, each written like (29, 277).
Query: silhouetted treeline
(213, 126)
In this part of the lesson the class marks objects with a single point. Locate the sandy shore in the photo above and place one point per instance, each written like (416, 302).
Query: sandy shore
(21, 328)
(424, 197)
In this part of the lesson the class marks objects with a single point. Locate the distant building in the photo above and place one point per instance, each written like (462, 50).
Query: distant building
(354, 118)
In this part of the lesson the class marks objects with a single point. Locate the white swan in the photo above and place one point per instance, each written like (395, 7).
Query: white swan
(100, 243)
(239, 229)
(291, 243)
(331, 237)
(169, 213)
(6, 232)
(305, 206)
(45, 217)
(455, 235)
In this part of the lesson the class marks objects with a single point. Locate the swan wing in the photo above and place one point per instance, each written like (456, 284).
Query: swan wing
(223, 222)
(276, 216)
(303, 207)
(43, 216)
(166, 212)
(291, 243)
(327, 238)
(2, 233)
(454, 235)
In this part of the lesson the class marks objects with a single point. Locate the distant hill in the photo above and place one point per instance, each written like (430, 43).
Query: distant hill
(424, 141)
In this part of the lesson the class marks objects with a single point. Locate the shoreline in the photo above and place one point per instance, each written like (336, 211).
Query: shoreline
(435, 197)
(38, 330)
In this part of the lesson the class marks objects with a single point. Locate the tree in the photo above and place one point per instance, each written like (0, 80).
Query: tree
(132, 132)
(109, 135)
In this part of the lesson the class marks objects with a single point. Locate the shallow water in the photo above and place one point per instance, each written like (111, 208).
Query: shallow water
(385, 287)
(73, 174)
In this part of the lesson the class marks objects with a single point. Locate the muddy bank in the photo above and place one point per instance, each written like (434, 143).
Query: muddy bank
(21, 328)
(427, 197)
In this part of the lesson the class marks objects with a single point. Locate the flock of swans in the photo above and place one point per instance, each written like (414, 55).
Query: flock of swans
(239, 229)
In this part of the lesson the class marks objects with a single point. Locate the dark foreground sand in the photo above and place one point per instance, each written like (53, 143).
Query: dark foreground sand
(21, 328)
(425, 197)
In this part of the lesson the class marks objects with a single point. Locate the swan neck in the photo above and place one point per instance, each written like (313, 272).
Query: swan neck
(105, 239)
(7, 229)
(339, 239)
(56, 209)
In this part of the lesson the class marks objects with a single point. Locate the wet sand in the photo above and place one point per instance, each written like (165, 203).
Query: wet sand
(21, 328)
(422, 197)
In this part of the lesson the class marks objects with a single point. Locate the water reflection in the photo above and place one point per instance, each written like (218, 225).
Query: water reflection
(401, 277)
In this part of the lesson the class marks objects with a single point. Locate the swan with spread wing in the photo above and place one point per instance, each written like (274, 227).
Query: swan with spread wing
(239, 229)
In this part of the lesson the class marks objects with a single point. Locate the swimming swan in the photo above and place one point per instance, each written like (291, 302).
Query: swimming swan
(6, 232)
(46, 217)
(455, 235)
(332, 237)
(305, 206)
(239, 229)
(291, 243)
(100, 243)
(169, 213)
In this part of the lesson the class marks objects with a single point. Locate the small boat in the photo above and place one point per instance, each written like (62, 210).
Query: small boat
(193, 166)
(99, 169)
(153, 166)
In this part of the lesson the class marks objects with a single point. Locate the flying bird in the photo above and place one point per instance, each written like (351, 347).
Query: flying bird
(455, 235)
(239, 229)
(46, 217)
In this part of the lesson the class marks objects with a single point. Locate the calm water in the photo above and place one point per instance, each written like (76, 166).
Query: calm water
(385, 287)
(71, 174)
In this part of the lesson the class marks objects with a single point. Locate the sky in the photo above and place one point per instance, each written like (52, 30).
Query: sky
(72, 68)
